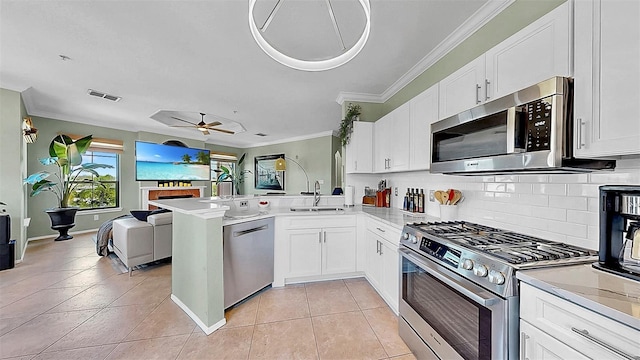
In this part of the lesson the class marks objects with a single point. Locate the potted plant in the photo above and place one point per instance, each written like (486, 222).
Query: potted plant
(346, 125)
(66, 154)
(236, 175)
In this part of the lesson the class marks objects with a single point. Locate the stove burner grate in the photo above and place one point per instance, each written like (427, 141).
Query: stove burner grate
(511, 247)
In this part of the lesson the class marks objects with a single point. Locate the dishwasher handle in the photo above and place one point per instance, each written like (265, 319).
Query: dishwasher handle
(249, 231)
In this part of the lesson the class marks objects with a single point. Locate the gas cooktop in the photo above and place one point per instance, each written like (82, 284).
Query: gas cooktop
(488, 256)
(511, 247)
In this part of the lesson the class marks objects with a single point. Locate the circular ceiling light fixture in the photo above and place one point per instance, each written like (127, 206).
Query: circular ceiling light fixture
(311, 65)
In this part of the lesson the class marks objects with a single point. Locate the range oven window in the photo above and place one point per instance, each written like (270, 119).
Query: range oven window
(464, 324)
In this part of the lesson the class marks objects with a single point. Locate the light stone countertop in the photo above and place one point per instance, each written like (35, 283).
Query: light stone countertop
(281, 205)
(613, 296)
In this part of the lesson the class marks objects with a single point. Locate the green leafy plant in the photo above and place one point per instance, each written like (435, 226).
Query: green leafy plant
(346, 125)
(66, 154)
(236, 174)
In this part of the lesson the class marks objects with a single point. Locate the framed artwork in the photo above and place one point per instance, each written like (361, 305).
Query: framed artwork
(266, 176)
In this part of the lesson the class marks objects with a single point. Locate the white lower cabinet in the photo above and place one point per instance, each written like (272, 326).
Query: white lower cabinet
(555, 328)
(536, 344)
(313, 247)
(383, 269)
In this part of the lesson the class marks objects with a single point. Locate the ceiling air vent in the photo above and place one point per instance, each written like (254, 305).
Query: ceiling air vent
(261, 134)
(103, 95)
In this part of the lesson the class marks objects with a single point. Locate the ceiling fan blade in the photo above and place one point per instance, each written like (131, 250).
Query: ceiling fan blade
(211, 124)
(223, 131)
(189, 126)
(206, 132)
(188, 122)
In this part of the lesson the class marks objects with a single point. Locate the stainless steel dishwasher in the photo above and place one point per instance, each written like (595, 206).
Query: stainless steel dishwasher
(248, 259)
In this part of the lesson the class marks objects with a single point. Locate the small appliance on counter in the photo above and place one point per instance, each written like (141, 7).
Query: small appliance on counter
(369, 197)
(383, 195)
(620, 230)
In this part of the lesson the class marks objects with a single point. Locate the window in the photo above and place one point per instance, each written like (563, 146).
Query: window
(218, 160)
(225, 187)
(89, 195)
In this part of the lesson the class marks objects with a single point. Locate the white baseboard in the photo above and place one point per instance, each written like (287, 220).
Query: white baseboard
(43, 237)
(207, 329)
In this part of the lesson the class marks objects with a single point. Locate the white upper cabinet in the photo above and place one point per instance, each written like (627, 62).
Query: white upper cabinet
(382, 143)
(607, 78)
(391, 140)
(359, 150)
(536, 53)
(399, 154)
(424, 112)
(462, 90)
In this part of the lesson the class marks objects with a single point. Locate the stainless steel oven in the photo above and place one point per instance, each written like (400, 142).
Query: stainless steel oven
(456, 318)
(459, 297)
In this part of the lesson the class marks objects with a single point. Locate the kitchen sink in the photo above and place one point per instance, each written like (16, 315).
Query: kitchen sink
(317, 208)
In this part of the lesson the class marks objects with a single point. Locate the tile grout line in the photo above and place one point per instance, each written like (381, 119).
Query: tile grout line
(253, 327)
(313, 330)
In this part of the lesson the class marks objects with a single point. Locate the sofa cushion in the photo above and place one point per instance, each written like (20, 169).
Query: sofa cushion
(160, 219)
(140, 214)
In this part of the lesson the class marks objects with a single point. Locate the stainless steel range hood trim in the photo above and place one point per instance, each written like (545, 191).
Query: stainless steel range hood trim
(558, 160)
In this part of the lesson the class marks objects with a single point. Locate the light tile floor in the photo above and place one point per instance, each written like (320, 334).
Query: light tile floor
(65, 302)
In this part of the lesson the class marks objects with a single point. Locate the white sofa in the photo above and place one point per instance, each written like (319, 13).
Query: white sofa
(137, 242)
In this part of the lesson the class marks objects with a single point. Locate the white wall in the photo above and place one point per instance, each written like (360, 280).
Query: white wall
(555, 207)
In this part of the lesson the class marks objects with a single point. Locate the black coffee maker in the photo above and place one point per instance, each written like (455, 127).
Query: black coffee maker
(620, 230)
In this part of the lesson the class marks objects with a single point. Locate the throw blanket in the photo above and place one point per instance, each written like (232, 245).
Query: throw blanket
(105, 234)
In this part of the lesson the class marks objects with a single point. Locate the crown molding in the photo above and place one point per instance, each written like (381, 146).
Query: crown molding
(352, 96)
(27, 100)
(482, 16)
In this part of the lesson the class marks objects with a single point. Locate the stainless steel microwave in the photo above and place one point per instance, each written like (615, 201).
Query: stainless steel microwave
(528, 131)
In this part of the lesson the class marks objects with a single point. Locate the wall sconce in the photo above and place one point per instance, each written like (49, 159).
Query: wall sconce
(29, 132)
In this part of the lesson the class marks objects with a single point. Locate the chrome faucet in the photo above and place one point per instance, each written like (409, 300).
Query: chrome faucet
(316, 193)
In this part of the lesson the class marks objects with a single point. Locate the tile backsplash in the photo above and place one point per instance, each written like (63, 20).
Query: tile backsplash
(555, 207)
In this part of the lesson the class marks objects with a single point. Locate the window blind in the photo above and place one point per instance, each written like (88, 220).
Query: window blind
(102, 144)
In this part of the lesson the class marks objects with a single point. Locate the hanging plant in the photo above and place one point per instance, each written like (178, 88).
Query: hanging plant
(346, 125)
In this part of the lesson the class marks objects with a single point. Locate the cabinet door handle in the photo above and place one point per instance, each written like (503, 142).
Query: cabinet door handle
(584, 333)
(581, 124)
(478, 93)
(380, 242)
(486, 89)
(320, 237)
(523, 346)
(381, 230)
(377, 247)
(324, 234)
(355, 164)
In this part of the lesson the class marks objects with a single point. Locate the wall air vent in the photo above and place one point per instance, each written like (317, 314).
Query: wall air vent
(103, 95)
(261, 134)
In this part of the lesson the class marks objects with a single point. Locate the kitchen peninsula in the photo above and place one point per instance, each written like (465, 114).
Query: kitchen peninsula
(197, 270)
(196, 273)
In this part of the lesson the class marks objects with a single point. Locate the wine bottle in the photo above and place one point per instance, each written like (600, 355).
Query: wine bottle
(421, 201)
(405, 205)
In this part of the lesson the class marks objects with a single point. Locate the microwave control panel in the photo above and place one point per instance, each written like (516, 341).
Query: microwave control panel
(538, 115)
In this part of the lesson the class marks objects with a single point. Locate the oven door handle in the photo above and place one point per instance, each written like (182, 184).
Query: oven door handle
(466, 288)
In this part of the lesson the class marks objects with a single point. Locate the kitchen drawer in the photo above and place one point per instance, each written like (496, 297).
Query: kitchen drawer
(318, 221)
(535, 344)
(590, 333)
(389, 233)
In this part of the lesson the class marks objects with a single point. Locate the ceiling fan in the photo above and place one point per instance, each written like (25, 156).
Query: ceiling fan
(202, 126)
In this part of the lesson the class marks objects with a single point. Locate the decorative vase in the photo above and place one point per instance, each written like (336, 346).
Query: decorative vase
(62, 219)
